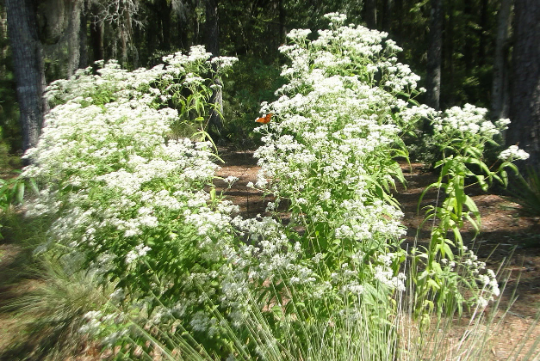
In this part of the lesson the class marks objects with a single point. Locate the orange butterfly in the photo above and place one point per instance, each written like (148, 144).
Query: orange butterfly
(266, 119)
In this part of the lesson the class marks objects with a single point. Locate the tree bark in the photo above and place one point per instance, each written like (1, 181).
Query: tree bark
(433, 78)
(83, 37)
(96, 35)
(499, 90)
(282, 25)
(212, 45)
(387, 18)
(74, 36)
(468, 47)
(165, 10)
(483, 32)
(525, 98)
(370, 13)
(28, 61)
(449, 66)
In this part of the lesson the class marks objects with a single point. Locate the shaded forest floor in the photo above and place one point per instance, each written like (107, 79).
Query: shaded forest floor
(506, 235)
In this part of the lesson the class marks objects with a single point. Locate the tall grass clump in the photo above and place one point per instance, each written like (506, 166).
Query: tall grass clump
(52, 313)
(527, 192)
(134, 205)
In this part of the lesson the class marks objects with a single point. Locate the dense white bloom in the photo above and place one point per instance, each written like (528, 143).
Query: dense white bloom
(513, 153)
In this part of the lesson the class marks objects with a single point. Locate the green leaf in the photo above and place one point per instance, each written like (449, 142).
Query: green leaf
(434, 285)
(20, 192)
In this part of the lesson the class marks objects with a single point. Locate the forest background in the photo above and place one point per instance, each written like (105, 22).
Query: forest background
(466, 51)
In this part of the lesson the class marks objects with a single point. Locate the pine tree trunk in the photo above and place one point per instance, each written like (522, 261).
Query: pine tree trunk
(83, 37)
(28, 61)
(282, 26)
(387, 18)
(165, 18)
(370, 13)
(96, 35)
(449, 66)
(74, 36)
(212, 45)
(433, 78)
(483, 33)
(499, 90)
(525, 98)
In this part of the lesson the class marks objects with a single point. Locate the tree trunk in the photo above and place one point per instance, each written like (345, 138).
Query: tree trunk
(4, 47)
(370, 13)
(468, 47)
(212, 45)
(433, 78)
(29, 74)
(165, 10)
(83, 37)
(387, 18)
(74, 36)
(483, 33)
(282, 26)
(525, 100)
(499, 90)
(449, 68)
(96, 35)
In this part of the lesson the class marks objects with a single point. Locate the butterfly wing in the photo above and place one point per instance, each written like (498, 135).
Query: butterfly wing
(264, 120)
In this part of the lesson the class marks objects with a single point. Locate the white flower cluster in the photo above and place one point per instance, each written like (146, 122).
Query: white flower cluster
(469, 120)
(151, 86)
(118, 185)
(333, 130)
(139, 251)
(468, 266)
(328, 151)
(513, 153)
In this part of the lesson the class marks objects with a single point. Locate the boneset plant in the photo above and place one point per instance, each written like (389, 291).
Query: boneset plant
(133, 204)
(331, 150)
(128, 199)
(461, 136)
(331, 153)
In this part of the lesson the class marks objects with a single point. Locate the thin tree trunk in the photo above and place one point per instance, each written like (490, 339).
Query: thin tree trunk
(96, 36)
(74, 36)
(499, 103)
(4, 47)
(370, 13)
(282, 26)
(165, 19)
(387, 18)
(449, 51)
(468, 48)
(83, 37)
(525, 100)
(433, 78)
(212, 45)
(483, 35)
(28, 61)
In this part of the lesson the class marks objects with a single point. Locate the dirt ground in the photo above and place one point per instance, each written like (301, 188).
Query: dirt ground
(506, 235)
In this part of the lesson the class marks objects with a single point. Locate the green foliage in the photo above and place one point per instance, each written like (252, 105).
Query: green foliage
(527, 193)
(53, 313)
(461, 136)
(13, 191)
(252, 82)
